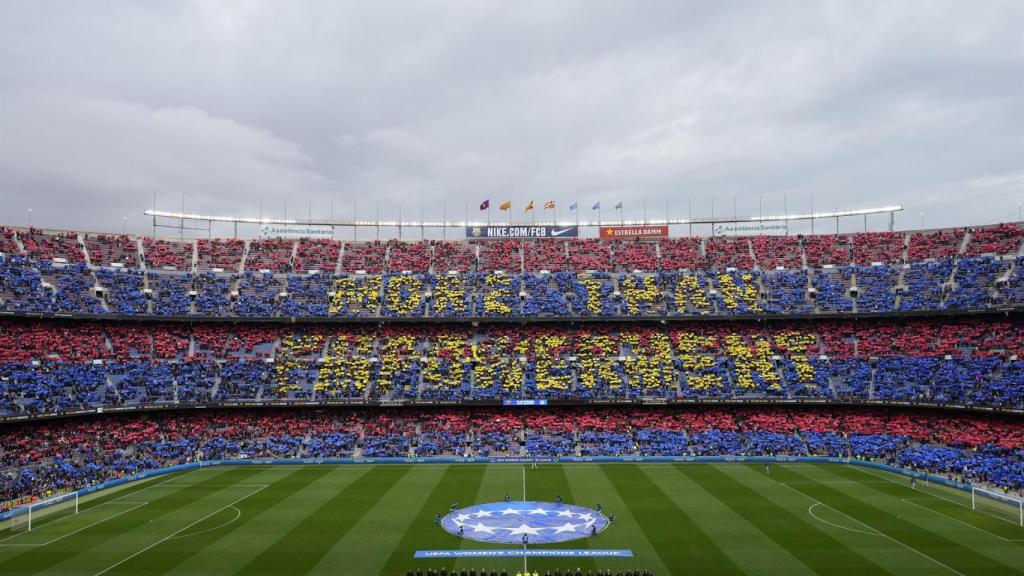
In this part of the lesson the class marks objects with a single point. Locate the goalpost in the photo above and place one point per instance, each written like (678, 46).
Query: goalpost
(26, 517)
(1006, 505)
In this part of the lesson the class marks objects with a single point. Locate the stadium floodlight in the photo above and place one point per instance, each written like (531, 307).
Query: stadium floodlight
(25, 518)
(997, 504)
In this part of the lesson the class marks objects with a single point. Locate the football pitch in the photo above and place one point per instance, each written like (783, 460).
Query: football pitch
(687, 518)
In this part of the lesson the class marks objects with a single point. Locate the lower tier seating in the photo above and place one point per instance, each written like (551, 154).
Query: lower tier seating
(39, 459)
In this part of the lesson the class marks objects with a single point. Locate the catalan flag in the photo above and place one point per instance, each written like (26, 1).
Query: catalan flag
(549, 205)
(506, 206)
(529, 206)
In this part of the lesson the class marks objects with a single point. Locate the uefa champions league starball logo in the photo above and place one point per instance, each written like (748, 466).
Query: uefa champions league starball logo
(539, 522)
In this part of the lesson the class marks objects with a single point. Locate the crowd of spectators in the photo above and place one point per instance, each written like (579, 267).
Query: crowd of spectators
(37, 458)
(48, 367)
(974, 283)
(873, 272)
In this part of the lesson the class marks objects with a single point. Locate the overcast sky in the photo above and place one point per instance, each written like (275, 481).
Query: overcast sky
(854, 103)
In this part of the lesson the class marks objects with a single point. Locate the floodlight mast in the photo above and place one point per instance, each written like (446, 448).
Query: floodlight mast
(354, 223)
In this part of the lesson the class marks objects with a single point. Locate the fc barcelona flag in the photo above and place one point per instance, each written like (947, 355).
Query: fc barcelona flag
(485, 204)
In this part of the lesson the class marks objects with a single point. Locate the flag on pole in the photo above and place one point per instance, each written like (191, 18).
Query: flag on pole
(618, 206)
(549, 205)
(485, 204)
(529, 206)
(572, 206)
(507, 205)
(597, 206)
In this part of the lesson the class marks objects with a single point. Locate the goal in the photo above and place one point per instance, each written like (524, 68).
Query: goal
(27, 517)
(998, 504)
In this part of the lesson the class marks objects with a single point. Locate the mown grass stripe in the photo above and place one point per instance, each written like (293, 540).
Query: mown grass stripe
(496, 482)
(749, 547)
(456, 485)
(679, 540)
(591, 484)
(300, 548)
(366, 547)
(284, 483)
(109, 542)
(914, 536)
(545, 484)
(809, 542)
(238, 548)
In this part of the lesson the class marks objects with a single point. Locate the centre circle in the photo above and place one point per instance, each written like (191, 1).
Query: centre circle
(538, 522)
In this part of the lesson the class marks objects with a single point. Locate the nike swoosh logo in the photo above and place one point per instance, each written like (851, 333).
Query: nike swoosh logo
(560, 232)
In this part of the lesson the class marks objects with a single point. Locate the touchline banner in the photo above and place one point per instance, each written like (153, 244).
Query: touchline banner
(503, 232)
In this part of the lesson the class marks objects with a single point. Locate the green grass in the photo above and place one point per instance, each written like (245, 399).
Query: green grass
(677, 518)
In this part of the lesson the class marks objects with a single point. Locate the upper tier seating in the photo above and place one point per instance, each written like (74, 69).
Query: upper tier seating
(43, 246)
(366, 256)
(107, 250)
(270, 254)
(877, 272)
(996, 240)
(976, 283)
(220, 254)
(409, 256)
(161, 254)
(317, 254)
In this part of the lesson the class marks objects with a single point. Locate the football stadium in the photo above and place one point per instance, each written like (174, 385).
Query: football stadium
(633, 403)
(493, 288)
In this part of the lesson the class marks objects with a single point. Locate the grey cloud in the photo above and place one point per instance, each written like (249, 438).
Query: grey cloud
(919, 103)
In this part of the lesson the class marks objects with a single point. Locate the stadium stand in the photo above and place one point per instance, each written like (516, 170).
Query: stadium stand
(860, 335)
(959, 362)
(863, 273)
(61, 455)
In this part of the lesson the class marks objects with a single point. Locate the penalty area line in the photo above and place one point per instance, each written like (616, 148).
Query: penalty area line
(176, 532)
(934, 495)
(910, 501)
(875, 530)
(47, 543)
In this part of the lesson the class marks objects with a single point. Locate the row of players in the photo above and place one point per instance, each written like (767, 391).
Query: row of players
(60, 367)
(326, 255)
(49, 456)
(967, 284)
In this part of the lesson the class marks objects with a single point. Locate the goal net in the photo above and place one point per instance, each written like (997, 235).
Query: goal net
(998, 504)
(31, 516)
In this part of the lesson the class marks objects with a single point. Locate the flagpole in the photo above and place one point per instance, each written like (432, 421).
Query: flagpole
(444, 219)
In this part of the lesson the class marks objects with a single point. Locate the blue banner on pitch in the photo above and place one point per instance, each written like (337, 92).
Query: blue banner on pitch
(519, 553)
